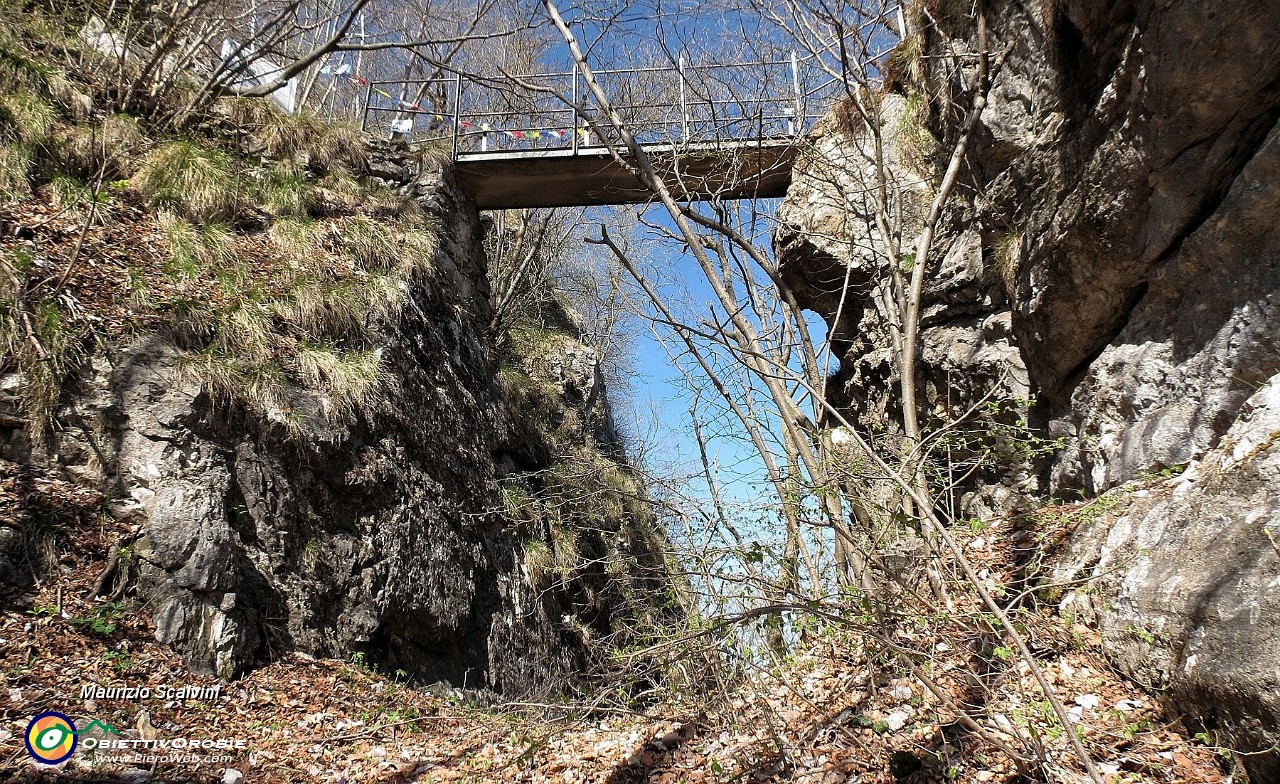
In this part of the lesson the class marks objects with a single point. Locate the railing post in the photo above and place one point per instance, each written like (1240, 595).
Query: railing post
(684, 106)
(368, 96)
(457, 111)
(902, 24)
(795, 86)
(573, 98)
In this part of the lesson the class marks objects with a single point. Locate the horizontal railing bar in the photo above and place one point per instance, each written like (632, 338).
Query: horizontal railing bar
(775, 100)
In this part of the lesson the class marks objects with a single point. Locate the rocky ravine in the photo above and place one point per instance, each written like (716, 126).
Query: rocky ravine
(1111, 252)
(385, 536)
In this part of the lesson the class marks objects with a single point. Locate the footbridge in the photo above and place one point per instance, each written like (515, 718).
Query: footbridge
(725, 131)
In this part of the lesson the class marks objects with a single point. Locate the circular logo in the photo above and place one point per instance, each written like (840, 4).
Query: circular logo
(51, 737)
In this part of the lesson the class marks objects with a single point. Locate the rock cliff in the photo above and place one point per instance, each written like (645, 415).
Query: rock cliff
(1108, 267)
(386, 535)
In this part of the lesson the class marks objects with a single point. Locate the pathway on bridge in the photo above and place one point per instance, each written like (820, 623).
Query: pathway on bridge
(712, 131)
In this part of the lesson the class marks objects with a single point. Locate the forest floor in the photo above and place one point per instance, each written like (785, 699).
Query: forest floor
(835, 712)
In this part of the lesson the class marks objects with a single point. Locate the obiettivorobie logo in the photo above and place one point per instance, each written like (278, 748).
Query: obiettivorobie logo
(52, 737)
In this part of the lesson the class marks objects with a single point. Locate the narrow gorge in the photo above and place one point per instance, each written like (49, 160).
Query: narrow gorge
(957, 463)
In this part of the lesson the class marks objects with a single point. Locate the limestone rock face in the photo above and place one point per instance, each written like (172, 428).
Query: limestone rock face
(1185, 585)
(1201, 339)
(832, 256)
(1111, 249)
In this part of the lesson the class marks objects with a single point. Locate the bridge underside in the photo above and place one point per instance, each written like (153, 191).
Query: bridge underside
(561, 178)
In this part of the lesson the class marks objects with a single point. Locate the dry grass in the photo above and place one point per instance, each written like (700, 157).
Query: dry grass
(338, 193)
(304, 139)
(110, 149)
(915, 144)
(904, 67)
(44, 344)
(296, 331)
(568, 557)
(337, 308)
(287, 192)
(350, 380)
(20, 72)
(435, 153)
(1008, 257)
(191, 180)
(233, 378)
(341, 144)
(298, 239)
(371, 243)
(539, 562)
(26, 118)
(315, 332)
(194, 250)
(71, 194)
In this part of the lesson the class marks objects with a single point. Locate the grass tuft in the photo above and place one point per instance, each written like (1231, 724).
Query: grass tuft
(287, 193)
(194, 250)
(539, 562)
(568, 557)
(916, 145)
(350, 380)
(1007, 255)
(109, 149)
(369, 242)
(193, 181)
(25, 118)
(298, 239)
(21, 73)
(318, 144)
(339, 308)
(338, 193)
(15, 163)
(904, 65)
(45, 344)
(230, 377)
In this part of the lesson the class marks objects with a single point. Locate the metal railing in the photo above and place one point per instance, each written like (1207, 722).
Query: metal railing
(676, 105)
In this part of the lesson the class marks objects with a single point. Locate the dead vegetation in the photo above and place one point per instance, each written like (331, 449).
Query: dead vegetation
(836, 709)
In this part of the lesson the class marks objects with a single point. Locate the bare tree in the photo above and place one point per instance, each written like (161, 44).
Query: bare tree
(757, 321)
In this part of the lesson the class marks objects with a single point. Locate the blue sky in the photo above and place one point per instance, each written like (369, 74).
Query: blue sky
(660, 395)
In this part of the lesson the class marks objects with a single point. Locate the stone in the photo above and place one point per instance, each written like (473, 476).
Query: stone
(381, 536)
(1111, 257)
(1184, 586)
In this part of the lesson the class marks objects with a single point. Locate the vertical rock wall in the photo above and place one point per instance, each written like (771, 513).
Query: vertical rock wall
(386, 536)
(1111, 251)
